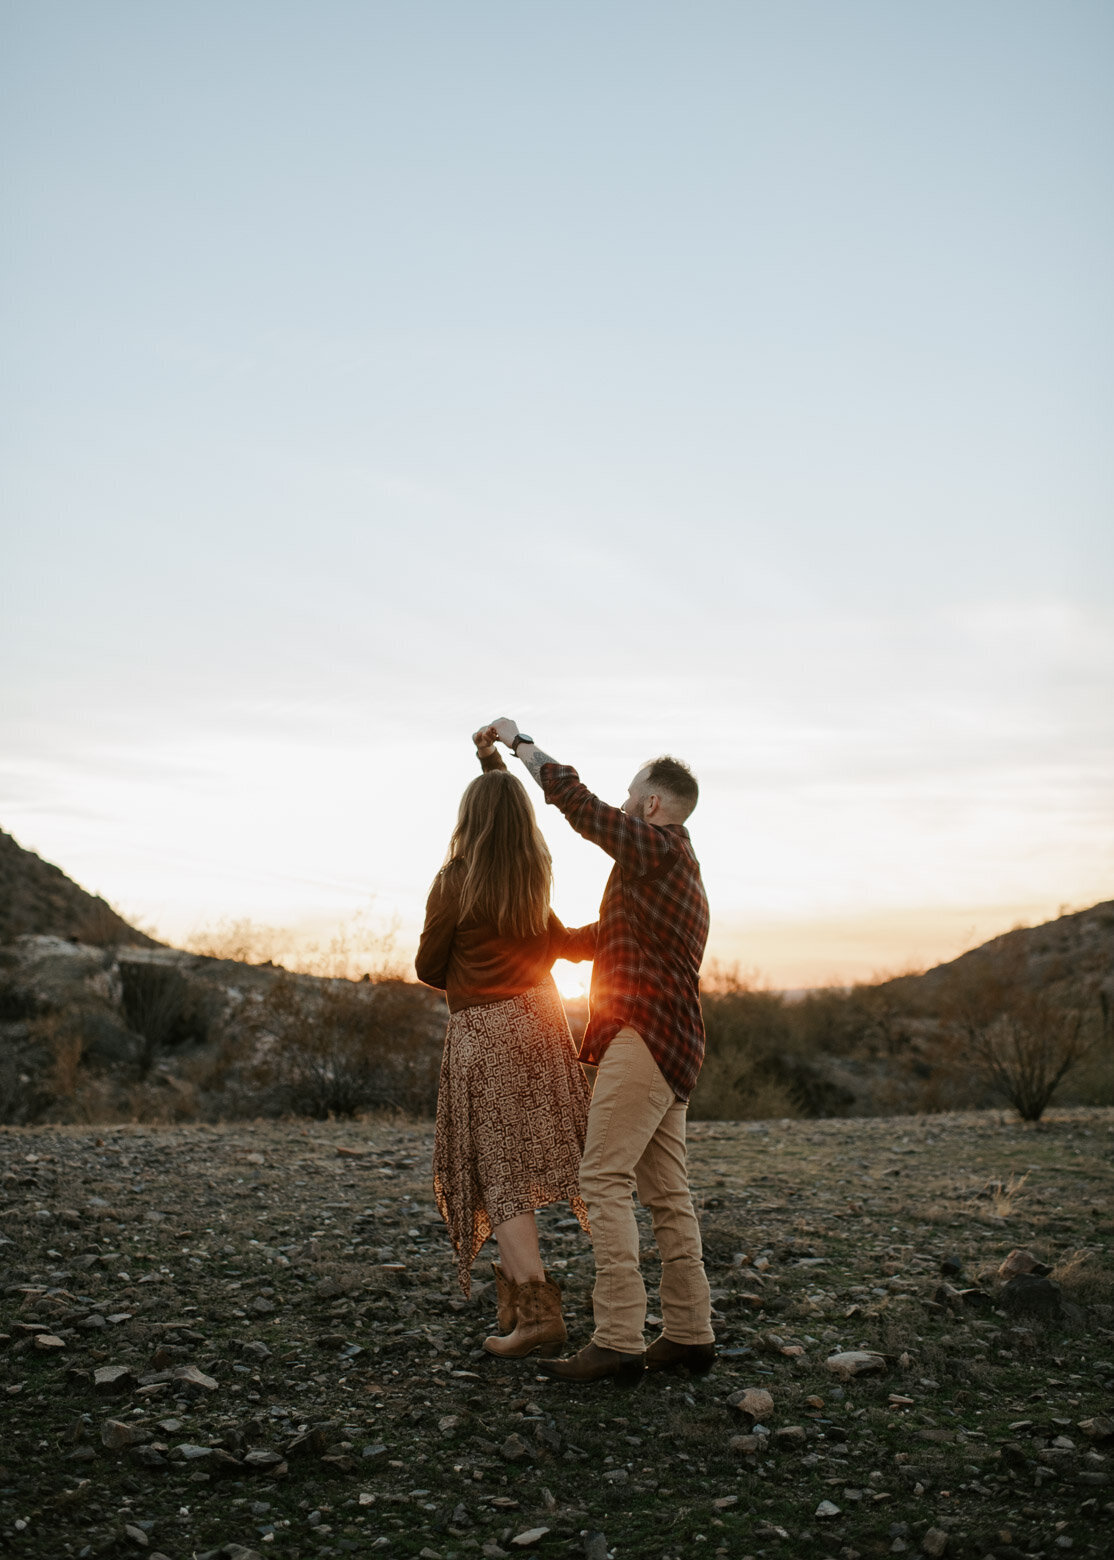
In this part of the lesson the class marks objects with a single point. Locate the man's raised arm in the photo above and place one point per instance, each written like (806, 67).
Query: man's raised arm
(521, 746)
(639, 848)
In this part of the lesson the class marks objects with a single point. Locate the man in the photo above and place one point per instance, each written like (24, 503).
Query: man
(646, 1037)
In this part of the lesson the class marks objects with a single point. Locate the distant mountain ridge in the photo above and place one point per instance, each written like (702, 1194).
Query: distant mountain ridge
(36, 896)
(1078, 946)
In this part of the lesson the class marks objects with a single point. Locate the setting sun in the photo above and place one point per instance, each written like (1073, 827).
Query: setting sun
(571, 979)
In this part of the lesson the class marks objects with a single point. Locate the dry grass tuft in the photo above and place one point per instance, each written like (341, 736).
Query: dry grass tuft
(1083, 1281)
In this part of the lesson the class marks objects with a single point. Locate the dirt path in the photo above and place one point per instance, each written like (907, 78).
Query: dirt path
(257, 1342)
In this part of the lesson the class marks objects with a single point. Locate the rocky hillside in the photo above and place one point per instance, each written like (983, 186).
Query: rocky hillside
(38, 897)
(1075, 949)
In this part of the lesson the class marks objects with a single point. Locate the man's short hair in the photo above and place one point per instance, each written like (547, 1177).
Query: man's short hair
(676, 778)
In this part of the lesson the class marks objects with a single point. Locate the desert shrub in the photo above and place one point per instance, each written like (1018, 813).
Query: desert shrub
(1019, 1038)
(16, 1002)
(165, 1008)
(322, 1048)
(242, 942)
(760, 1061)
(1092, 1081)
(360, 948)
(1027, 1052)
(26, 1095)
(163, 1098)
(1084, 1280)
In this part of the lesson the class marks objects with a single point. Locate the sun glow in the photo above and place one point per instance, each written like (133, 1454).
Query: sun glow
(571, 979)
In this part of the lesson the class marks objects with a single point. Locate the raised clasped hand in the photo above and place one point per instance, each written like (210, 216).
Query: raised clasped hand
(505, 729)
(484, 740)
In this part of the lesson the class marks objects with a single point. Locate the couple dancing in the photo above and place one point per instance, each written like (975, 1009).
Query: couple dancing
(516, 1128)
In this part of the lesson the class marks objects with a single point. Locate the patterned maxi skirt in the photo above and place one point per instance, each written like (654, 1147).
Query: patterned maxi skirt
(512, 1107)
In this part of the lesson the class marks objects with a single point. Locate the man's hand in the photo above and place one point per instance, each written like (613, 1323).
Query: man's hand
(505, 730)
(485, 741)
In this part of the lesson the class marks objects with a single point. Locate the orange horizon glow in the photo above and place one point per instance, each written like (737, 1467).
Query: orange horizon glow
(776, 954)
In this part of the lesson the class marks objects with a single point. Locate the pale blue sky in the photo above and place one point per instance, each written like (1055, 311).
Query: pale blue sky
(734, 379)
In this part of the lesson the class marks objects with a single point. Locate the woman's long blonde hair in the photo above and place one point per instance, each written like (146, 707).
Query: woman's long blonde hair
(507, 869)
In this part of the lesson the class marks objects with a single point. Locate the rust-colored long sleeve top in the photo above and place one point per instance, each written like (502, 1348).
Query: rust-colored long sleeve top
(470, 962)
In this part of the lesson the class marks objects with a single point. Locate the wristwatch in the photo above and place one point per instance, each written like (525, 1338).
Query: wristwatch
(522, 737)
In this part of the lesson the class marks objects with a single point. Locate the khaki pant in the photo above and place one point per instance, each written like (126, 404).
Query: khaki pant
(636, 1140)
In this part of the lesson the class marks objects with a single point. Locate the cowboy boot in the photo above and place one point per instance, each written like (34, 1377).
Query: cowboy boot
(540, 1328)
(664, 1354)
(506, 1295)
(597, 1364)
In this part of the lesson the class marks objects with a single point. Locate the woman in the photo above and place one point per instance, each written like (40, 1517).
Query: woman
(512, 1103)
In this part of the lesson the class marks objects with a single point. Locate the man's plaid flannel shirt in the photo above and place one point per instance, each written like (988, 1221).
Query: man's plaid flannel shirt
(652, 929)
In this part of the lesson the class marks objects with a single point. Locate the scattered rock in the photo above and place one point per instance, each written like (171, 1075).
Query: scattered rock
(1021, 1261)
(47, 1342)
(934, 1542)
(755, 1402)
(530, 1536)
(116, 1435)
(114, 1378)
(1100, 1428)
(826, 1510)
(148, 1456)
(190, 1376)
(855, 1362)
(263, 1460)
(514, 1449)
(1031, 1295)
(314, 1442)
(189, 1453)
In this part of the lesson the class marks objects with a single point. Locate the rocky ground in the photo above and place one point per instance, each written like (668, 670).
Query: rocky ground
(246, 1340)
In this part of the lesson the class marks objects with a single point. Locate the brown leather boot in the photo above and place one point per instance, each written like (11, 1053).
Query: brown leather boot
(506, 1297)
(540, 1328)
(596, 1364)
(664, 1354)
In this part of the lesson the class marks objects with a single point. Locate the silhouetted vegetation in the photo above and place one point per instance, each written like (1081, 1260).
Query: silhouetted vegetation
(332, 1048)
(97, 1035)
(166, 1009)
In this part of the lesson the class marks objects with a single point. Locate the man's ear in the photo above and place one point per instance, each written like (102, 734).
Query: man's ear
(651, 806)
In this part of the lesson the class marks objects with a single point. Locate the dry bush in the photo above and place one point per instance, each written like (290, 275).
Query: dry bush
(163, 1099)
(165, 1008)
(1083, 1279)
(1027, 1052)
(24, 1094)
(760, 1062)
(241, 942)
(65, 1075)
(331, 1048)
(1003, 1194)
(1019, 1038)
(361, 948)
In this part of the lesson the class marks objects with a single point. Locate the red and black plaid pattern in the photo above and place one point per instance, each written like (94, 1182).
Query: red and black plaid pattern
(652, 930)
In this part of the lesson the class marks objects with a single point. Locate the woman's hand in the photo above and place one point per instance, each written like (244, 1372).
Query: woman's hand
(485, 741)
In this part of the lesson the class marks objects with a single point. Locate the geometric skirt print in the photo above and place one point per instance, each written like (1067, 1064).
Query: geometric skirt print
(512, 1107)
